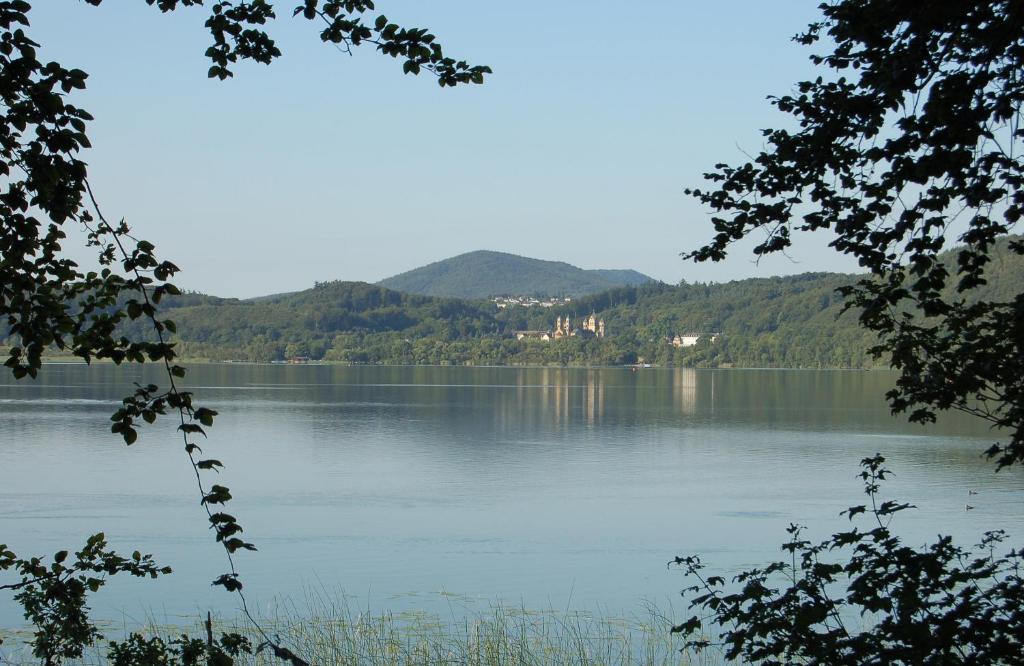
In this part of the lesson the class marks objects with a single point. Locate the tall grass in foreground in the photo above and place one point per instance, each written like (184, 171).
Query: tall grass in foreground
(503, 636)
(330, 633)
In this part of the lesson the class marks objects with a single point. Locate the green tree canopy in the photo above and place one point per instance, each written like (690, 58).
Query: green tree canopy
(909, 142)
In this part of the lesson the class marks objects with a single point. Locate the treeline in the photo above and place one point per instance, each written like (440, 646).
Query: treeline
(309, 323)
(778, 322)
(793, 321)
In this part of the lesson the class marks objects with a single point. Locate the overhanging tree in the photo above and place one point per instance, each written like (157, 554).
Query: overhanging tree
(909, 142)
(48, 302)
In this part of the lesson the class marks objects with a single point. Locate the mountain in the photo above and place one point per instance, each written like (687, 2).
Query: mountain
(483, 273)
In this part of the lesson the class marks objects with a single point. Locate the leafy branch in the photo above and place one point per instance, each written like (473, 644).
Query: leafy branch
(147, 403)
(54, 595)
(936, 604)
(48, 302)
(913, 132)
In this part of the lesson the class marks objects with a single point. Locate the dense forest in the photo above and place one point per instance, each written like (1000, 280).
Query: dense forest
(790, 321)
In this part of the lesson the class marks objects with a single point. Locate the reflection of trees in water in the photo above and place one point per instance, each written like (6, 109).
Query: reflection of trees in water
(593, 404)
(503, 405)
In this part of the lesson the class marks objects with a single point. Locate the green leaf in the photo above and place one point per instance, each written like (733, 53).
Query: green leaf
(205, 416)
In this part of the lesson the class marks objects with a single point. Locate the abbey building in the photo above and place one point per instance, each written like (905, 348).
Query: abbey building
(592, 328)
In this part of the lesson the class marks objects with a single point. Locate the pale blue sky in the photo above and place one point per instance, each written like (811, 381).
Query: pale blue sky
(324, 166)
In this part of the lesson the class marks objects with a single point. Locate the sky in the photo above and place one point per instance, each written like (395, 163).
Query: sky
(325, 166)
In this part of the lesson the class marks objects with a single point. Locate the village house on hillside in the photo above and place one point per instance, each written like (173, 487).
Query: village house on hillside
(689, 340)
(503, 302)
(533, 335)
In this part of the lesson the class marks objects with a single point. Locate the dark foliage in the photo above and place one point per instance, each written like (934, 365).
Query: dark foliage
(911, 143)
(864, 597)
(182, 651)
(47, 302)
(915, 133)
(54, 595)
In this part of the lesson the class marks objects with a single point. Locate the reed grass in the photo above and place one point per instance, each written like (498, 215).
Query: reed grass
(328, 631)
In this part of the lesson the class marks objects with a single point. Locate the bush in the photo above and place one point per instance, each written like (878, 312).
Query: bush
(939, 604)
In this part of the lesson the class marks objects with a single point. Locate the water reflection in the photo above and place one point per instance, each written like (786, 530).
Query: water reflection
(536, 397)
(527, 484)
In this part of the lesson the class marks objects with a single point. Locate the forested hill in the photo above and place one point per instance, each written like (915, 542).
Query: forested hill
(774, 322)
(484, 273)
(785, 322)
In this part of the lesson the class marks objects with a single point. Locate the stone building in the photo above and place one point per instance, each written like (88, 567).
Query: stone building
(591, 327)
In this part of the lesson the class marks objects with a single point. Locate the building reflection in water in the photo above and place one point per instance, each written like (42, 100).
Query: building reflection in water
(593, 401)
(562, 398)
(685, 388)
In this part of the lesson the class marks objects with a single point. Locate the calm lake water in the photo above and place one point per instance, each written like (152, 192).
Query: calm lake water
(437, 488)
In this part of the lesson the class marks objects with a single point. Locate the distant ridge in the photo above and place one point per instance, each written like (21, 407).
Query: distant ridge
(485, 273)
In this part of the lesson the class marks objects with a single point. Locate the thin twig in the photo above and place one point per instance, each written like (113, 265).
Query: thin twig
(183, 409)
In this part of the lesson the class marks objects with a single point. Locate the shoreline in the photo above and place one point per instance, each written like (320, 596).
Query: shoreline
(74, 360)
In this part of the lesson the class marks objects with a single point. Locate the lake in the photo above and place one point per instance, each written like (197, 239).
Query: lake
(445, 488)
